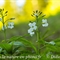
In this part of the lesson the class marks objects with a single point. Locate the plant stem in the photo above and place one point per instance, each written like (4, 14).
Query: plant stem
(5, 34)
(4, 27)
(38, 37)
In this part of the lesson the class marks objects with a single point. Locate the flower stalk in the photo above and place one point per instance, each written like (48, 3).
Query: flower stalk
(4, 30)
(38, 36)
(10, 24)
(35, 26)
(4, 27)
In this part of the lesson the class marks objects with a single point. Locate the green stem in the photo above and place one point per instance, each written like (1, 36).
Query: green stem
(5, 34)
(4, 27)
(38, 37)
(38, 40)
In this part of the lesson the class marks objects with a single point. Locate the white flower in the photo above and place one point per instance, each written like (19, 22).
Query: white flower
(10, 25)
(52, 43)
(33, 25)
(44, 20)
(30, 31)
(4, 27)
(44, 23)
(32, 28)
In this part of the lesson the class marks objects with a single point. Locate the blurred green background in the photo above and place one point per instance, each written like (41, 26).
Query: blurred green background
(21, 10)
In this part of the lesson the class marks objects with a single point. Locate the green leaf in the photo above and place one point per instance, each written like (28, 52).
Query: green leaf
(16, 47)
(0, 49)
(58, 43)
(24, 41)
(57, 40)
(48, 35)
(45, 32)
(18, 43)
(54, 48)
(6, 46)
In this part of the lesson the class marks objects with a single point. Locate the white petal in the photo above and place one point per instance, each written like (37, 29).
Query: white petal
(10, 23)
(30, 30)
(35, 27)
(10, 27)
(30, 24)
(44, 20)
(32, 33)
(34, 23)
(45, 25)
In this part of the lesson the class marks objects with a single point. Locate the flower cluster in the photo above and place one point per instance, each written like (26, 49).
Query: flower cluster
(44, 23)
(33, 27)
(9, 25)
(37, 13)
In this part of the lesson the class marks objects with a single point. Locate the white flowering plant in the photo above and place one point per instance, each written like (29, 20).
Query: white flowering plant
(4, 22)
(41, 49)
